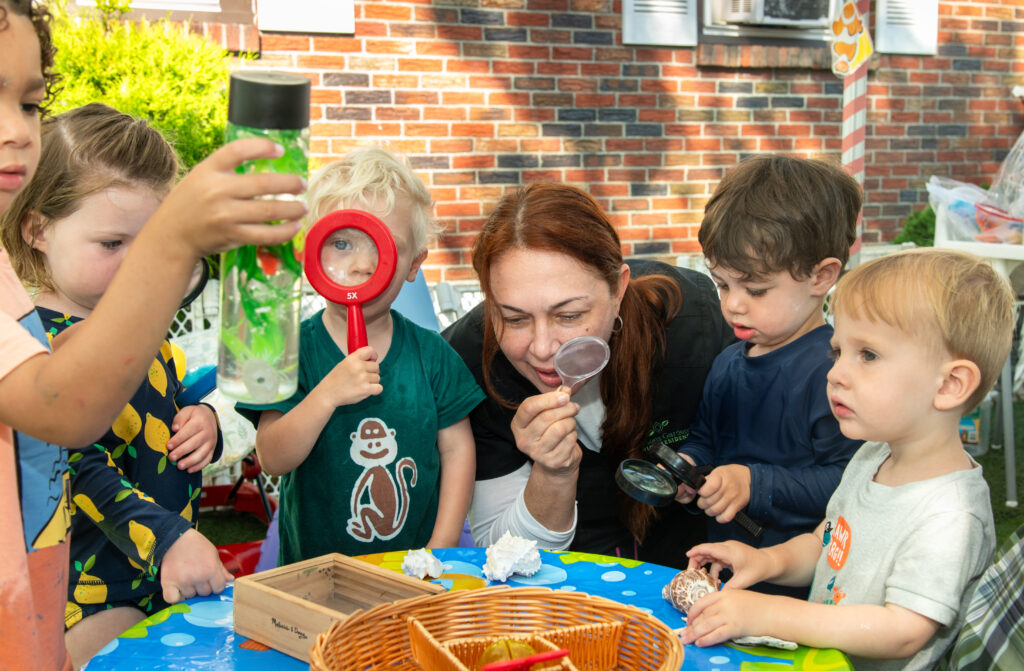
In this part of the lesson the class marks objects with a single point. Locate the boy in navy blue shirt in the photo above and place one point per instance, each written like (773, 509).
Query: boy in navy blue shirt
(776, 234)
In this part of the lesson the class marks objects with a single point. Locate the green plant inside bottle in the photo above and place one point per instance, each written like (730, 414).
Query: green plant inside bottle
(261, 290)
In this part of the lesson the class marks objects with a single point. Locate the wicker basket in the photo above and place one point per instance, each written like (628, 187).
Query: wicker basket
(463, 654)
(379, 638)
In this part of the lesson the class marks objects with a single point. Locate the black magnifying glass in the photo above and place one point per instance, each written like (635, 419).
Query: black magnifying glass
(350, 259)
(647, 483)
(200, 276)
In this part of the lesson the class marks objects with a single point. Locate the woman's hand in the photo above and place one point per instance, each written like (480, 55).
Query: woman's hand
(545, 430)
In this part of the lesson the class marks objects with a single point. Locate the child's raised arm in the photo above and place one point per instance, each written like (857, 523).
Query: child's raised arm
(72, 397)
(458, 475)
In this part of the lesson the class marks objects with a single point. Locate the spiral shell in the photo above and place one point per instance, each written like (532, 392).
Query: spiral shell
(687, 587)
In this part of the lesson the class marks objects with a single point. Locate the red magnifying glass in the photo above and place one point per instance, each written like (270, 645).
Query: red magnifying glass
(350, 258)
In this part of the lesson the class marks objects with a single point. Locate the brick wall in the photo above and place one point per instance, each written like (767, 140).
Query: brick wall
(484, 95)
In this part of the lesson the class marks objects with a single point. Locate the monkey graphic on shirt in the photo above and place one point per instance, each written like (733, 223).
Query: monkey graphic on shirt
(380, 501)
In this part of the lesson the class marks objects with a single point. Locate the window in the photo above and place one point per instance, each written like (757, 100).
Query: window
(676, 22)
(761, 20)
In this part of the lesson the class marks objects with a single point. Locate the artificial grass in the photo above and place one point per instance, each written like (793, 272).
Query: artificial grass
(993, 464)
(224, 527)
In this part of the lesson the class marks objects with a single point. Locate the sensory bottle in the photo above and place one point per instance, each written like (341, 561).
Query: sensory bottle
(261, 286)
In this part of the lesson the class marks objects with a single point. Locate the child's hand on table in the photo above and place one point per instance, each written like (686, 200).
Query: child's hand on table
(190, 567)
(195, 438)
(726, 491)
(727, 614)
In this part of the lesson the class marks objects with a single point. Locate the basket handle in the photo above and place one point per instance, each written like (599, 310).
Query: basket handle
(523, 663)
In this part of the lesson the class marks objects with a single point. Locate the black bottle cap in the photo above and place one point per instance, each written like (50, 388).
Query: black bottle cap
(268, 99)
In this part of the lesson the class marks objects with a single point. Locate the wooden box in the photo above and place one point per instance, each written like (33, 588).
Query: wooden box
(289, 606)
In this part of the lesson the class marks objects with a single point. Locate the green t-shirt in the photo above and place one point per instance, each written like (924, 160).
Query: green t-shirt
(371, 481)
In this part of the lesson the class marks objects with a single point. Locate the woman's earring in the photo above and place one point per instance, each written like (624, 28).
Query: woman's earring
(617, 326)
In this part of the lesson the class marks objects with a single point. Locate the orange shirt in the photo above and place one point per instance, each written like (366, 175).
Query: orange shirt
(33, 511)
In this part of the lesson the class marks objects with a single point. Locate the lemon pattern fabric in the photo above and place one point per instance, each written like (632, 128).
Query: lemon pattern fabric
(129, 503)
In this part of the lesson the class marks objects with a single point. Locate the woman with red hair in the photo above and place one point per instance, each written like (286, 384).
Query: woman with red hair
(551, 268)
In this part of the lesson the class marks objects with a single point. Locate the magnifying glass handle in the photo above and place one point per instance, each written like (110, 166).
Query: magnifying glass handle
(694, 476)
(696, 480)
(748, 524)
(356, 328)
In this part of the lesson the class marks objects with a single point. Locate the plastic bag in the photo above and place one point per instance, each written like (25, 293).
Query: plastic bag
(954, 204)
(967, 212)
(1007, 189)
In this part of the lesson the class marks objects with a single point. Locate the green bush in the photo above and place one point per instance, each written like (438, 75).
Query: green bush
(918, 228)
(152, 70)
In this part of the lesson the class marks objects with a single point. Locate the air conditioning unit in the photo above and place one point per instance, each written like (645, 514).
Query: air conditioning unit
(798, 13)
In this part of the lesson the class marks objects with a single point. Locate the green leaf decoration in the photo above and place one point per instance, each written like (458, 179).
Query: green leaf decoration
(89, 563)
(119, 450)
(162, 465)
(136, 583)
(122, 495)
(75, 456)
(78, 566)
(131, 451)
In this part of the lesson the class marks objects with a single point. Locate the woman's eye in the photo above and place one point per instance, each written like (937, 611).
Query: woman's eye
(513, 321)
(571, 316)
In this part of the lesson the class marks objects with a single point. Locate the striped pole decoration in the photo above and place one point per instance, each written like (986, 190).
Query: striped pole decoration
(855, 97)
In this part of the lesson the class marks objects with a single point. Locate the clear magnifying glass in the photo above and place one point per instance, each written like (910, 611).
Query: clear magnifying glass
(350, 259)
(580, 359)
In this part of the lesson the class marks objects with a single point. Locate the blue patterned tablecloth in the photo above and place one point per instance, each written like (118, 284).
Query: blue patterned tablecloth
(197, 635)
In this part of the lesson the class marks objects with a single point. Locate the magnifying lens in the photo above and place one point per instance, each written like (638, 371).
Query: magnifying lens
(350, 258)
(579, 359)
(649, 484)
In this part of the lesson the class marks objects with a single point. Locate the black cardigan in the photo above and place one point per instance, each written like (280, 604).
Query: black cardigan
(693, 338)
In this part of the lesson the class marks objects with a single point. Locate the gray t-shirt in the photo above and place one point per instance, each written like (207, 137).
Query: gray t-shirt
(921, 546)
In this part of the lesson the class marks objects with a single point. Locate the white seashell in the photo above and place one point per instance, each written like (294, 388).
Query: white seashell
(511, 554)
(421, 563)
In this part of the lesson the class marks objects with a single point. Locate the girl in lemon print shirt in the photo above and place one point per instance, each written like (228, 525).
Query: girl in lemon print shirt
(135, 492)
